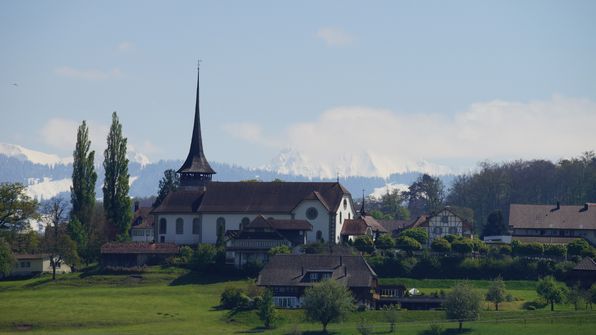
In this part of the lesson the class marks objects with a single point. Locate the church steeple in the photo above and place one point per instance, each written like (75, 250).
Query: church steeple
(196, 171)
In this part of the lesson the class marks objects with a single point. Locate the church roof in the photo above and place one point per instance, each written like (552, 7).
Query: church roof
(196, 162)
(261, 222)
(251, 197)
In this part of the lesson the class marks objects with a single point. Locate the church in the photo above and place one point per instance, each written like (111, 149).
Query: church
(202, 211)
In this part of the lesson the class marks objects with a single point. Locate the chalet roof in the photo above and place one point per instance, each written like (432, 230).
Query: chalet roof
(196, 162)
(291, 270)
(544, 239)
(586, 264)
(421, 221)
(250, 197)
(139, 248)
(360, 225)
(552, 217)
(143, 213)
(424, 219)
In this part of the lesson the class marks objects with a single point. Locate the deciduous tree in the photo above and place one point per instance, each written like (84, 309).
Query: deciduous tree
(327, 302)
(7, 259)
(267, 311)
(56, 242)
(16, 207)
(496, 292)
(462, 303)
(551, 291)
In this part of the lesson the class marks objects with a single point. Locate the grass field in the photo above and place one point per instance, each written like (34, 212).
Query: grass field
(173, 301)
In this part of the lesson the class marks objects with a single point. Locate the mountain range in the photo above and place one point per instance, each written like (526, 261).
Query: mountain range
(48, 175)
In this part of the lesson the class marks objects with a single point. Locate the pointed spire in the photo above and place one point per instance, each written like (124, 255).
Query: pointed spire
(196, 166)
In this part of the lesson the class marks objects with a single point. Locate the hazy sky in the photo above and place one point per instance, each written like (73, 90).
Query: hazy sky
(448, 82)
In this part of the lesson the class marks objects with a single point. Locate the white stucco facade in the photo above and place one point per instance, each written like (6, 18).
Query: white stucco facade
(327, 223)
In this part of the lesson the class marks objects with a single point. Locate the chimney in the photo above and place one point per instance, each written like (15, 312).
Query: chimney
(136, 206)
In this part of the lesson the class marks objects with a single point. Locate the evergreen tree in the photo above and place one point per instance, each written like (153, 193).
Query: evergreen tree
(82, 192)
(168, 183)
(115, 188)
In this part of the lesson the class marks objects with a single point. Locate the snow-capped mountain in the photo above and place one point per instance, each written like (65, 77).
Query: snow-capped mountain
(365, 163)
(48, 175)
(36, 157)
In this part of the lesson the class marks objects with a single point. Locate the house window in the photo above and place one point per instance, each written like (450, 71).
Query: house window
(444, 219)
(312, 213)
(162, 239)
(341, 218)
(179, 226)
(437, 230)
(349, 216)
(452, 230)
(163, 226)
(319, 235)
(25, 264)
(196, 226)
(345, 203)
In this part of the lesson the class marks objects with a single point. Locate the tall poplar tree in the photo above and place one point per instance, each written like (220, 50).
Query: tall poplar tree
(82, 192)
(115, 187)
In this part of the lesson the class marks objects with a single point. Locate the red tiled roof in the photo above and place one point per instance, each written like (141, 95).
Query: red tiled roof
(359, 226)
(139, 248)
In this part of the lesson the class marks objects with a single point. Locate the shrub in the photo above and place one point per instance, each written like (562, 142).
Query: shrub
(555, 250)
(364, 244)
(234, 298)
(267, 311)
(462, 246)
(440, 244)
(385, 242)
(504, 249)
(364, 327)
(534, 304)
(204, 257)
(419, 234)
(280, 250)
(450, 238)
(407, 244)
(577, 247)
(314, 248)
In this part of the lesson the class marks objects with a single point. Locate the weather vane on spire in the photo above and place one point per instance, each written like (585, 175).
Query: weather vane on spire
(199, 63)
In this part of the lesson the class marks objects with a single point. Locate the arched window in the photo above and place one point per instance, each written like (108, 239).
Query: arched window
(341, 218)
(196, 226)
(349, 216)
(220, 229)
(319, 235)
(179, 226)
(163, 224)
(345, 203)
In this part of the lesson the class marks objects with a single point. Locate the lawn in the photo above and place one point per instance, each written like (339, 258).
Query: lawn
(173, 301)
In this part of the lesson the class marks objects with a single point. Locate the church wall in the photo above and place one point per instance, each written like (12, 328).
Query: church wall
(320, 223)
(171, 237)
(343, 213)
(232, 220)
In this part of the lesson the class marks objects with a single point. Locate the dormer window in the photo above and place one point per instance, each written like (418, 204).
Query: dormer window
(317, 276)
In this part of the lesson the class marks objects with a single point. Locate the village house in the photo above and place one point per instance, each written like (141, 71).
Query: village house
(201, 211)
(141, 229)
(32, 264)
(289, 275)
(253, 241)
(553, 224)
(445, 222)
(363, 225)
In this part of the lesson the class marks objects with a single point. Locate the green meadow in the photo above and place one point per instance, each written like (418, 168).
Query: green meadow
(174, 301)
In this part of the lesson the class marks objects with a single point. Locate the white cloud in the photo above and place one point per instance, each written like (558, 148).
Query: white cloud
(334, 37)
(125, 46)
(247, 131)
(370, 141)
(62, 134)
(87, 74)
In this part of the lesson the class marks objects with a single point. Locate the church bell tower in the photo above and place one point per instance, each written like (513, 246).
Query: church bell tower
(196, 171)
